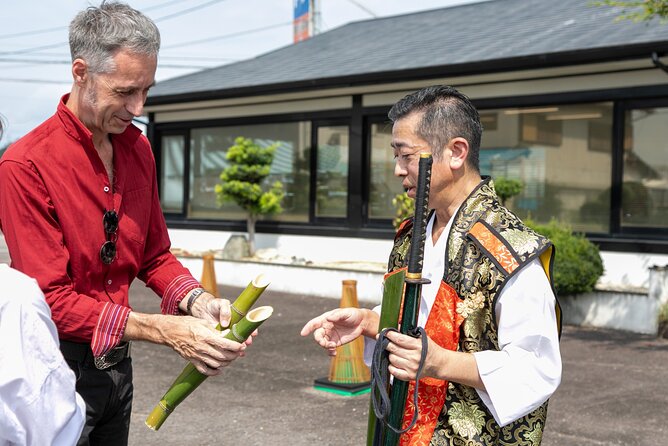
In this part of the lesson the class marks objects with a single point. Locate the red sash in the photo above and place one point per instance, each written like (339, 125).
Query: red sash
(442, 328)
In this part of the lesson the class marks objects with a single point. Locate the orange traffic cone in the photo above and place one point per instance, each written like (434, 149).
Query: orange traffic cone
(348, 375)
(208, 281)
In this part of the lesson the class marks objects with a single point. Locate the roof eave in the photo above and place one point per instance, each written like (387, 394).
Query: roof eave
(546, 60)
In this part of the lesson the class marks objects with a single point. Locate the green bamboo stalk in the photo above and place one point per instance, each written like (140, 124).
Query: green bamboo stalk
(242, 325)
(190, 378)
(246, 299)
(390, 308)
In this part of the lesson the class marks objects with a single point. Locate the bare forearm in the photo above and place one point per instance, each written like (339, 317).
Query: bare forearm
(146, 327)
(154, 327)
(457, 367)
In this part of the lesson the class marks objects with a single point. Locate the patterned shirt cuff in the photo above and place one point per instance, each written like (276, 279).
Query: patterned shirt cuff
(175, 293)
(109, 328)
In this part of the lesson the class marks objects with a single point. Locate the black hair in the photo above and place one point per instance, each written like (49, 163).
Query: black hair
(447, 114)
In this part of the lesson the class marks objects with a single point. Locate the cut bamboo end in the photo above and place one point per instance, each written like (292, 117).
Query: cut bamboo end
(261, 281)
(260, 314)
(157, 416)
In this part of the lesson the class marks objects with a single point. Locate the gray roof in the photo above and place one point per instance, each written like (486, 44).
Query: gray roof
(478, 37)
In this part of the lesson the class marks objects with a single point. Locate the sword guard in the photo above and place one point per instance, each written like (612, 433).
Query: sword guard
(417, 280)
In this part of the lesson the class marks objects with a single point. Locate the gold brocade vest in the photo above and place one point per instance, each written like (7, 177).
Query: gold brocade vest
(487, 245)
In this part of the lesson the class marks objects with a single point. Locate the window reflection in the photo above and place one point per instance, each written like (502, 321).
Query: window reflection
(290, 166)
(384, 186)
(645, 185)
(563, 156)
(171, 182)
(332, 175)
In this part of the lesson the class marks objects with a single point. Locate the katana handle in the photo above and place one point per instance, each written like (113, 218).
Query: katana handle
(416, 253)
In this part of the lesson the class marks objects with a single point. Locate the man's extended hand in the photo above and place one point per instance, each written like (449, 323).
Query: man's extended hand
(338, 327)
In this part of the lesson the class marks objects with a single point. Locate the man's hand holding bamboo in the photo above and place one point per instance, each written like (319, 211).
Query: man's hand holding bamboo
(207, 343)
(198, 342)
(195, 338)
(207, 349)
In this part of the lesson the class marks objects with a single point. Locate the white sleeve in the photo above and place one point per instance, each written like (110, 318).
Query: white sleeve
(38, 401)
(527, 370)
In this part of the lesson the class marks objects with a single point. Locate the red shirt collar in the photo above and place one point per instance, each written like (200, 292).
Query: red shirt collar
(77, 130)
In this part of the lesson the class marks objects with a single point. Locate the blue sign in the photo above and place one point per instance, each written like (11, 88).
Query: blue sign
(301, 7)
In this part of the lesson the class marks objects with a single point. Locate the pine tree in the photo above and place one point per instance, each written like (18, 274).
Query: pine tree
(242, 181)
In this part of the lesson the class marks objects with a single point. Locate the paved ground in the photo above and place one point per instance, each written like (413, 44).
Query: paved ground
(614, 389)
(613, 392)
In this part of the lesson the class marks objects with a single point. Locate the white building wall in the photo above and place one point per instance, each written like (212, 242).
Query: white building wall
(623, 271)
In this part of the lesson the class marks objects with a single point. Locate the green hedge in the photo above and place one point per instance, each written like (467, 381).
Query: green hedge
(578, 265)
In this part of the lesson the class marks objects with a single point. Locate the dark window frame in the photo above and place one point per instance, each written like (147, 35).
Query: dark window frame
(313, 218)
(158, 136)
(371, 119)
(359, 120)
(629, 231)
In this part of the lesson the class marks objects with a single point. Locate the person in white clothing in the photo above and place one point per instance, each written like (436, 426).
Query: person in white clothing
(38, 402)
(490, 312)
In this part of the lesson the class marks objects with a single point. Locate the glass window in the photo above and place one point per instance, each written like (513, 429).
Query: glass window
(290, 167)
(332, 174)
(171, 165)
(563, 156)
(645, 180)
(384, 186)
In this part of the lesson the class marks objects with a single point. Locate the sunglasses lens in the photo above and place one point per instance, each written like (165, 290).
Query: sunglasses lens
(110, 222)
(108, 252)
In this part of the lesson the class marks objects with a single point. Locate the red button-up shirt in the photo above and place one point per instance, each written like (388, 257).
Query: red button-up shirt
(54, 190)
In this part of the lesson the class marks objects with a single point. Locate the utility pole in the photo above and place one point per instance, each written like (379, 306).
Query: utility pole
(315, 17)
(306, 21)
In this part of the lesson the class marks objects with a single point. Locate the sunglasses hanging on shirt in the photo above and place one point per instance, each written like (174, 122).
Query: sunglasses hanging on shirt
(108, 250)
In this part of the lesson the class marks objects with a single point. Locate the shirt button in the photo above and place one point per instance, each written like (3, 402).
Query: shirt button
(109, 282)
(106, 188)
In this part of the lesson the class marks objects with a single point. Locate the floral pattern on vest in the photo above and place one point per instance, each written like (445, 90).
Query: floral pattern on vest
(486, 245)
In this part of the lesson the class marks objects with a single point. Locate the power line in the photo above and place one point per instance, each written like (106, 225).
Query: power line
(226, 36)
(33, 49)
(67, 62)
(33, 81)
(33, 61)
(32, 33)
(214, 59)
(186, 11)
(160, 57)
(161, 5)
(179, 13)
(364, 8)
(60, 28)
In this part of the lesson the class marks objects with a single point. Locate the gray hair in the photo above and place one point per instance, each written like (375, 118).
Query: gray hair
(447, 114)
(98, 33)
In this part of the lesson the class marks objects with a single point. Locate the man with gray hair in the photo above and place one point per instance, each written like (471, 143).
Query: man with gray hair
(80, 212)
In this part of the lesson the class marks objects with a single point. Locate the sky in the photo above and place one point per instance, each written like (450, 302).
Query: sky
(196, 34)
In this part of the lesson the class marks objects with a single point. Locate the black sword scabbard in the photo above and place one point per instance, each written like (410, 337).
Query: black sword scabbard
(413, 293)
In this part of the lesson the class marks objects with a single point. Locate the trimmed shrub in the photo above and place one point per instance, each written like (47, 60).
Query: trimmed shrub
(578, 265)
(404, 206)
(507, 188)
(663, 321)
